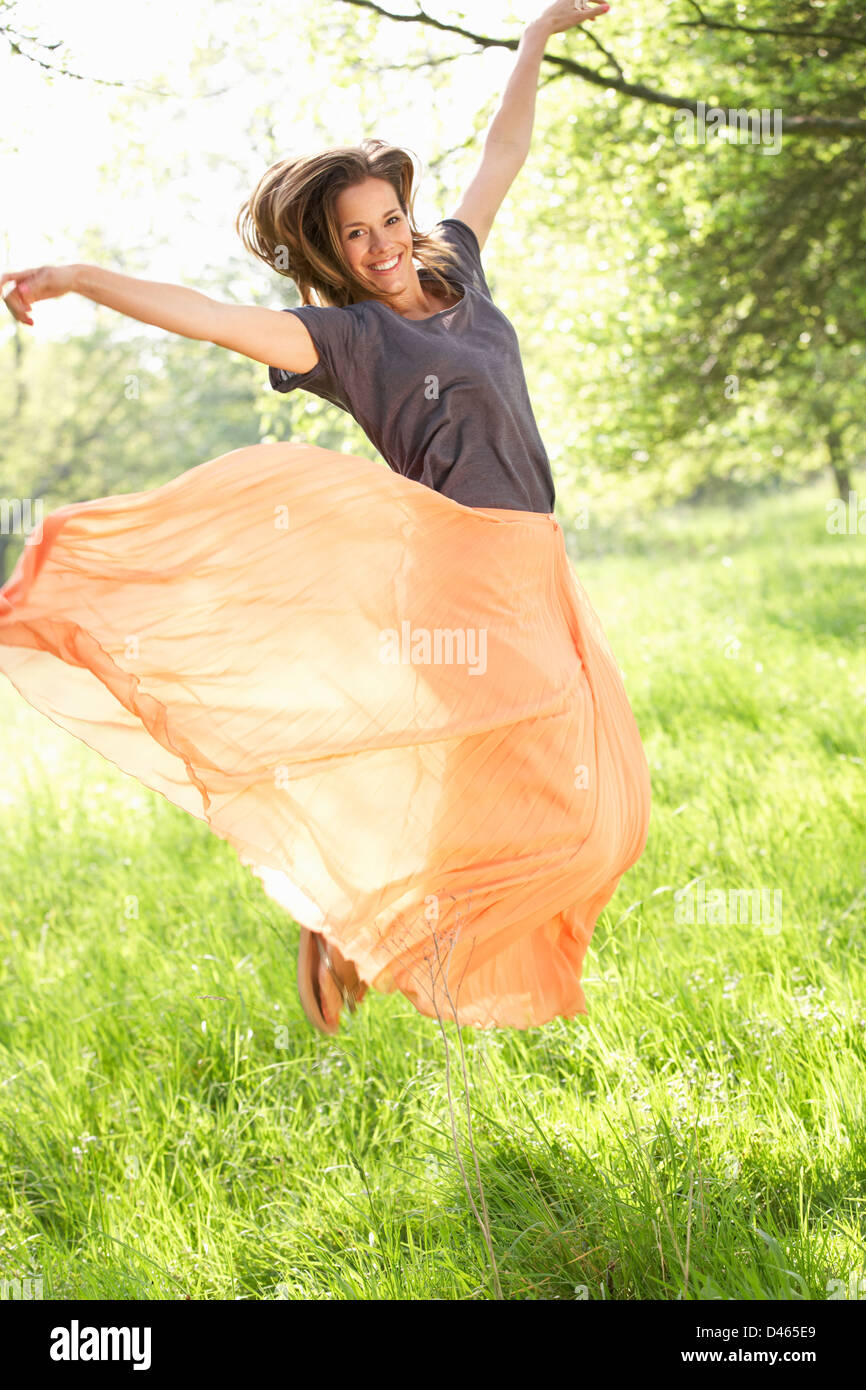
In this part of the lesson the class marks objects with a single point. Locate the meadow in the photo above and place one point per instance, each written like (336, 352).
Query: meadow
(171, 1126)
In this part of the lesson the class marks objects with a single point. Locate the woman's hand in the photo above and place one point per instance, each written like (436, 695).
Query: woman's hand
(567, 14)
(42, 282)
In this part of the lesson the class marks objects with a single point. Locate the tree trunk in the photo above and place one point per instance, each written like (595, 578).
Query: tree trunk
(838, 464)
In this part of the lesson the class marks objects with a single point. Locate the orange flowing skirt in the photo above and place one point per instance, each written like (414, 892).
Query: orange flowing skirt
(401, 712)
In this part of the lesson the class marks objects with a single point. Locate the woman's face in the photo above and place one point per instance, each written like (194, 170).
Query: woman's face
(375, 235)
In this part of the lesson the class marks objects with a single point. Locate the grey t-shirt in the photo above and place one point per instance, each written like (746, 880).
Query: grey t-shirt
(444, 399)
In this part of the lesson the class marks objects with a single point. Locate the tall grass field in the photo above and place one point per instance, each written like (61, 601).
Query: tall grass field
(171, 1127)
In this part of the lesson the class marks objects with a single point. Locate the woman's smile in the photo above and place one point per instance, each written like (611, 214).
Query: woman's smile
(387, 267)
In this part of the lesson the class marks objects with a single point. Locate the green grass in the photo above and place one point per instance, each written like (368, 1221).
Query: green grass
(699, 1135)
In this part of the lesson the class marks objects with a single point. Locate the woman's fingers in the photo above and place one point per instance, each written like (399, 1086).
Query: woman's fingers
(16, 297)
(21, 288)
(16, 301)
(17, 275)
(563, 15)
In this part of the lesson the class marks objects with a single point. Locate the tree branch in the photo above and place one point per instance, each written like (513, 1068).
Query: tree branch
(792, 125)
(420, 65)
(793, 31)
(15, 40)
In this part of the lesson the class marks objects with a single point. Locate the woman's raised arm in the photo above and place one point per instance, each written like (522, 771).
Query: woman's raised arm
(265, 335)
(508, 140)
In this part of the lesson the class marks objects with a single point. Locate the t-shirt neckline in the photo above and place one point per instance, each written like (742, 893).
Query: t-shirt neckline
(439, 312)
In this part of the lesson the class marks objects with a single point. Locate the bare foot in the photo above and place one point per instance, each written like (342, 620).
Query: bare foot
(320, 993)
(348, 974)
(309, 963)
(329, 995)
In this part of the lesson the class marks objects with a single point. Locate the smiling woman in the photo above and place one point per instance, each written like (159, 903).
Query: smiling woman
(330, 221)
(442, 825)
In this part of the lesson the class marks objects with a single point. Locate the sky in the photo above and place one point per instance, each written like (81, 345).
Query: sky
(76, 157)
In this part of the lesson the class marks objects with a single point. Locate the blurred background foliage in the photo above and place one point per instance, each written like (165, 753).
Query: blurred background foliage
(692, 313)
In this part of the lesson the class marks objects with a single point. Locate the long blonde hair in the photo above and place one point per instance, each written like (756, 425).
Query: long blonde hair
(290, 221)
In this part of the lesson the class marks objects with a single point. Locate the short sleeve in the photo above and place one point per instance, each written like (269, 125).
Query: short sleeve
(460, 236)
(335, 334)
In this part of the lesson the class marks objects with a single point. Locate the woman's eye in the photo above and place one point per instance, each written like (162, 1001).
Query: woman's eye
(359, 231)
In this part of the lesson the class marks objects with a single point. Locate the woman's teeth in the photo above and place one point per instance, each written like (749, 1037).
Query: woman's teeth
(386, 265)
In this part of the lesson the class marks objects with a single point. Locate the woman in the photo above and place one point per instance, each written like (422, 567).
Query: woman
(385, 687)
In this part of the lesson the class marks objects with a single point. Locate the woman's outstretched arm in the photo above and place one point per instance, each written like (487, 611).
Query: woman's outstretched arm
(265, 335)
(509, 138)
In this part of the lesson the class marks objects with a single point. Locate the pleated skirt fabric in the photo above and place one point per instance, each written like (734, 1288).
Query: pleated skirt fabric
(401, 712)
